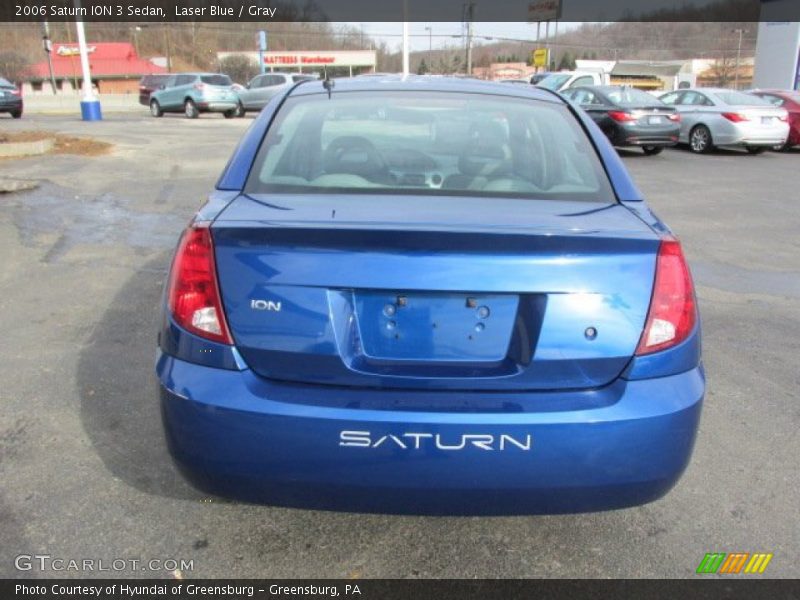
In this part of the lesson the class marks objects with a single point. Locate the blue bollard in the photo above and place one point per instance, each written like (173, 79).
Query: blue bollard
(90, 110)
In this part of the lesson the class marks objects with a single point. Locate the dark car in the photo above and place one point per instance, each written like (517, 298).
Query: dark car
(790, 100)
(10, 99)
(149, 84)
(629, 117)
(429, 295)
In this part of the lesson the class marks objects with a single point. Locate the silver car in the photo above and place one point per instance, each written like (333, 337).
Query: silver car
(713, 117)
(262, 88)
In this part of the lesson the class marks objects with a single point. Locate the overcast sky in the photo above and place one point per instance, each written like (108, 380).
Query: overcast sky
(442, 33)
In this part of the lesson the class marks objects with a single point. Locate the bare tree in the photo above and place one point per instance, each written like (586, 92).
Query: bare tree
(239, 68)
(13, 66)
(721, 73)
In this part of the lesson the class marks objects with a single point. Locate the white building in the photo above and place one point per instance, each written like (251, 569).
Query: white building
(339, 62)
(777, 53)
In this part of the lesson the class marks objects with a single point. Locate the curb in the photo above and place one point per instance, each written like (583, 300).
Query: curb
(13, 149)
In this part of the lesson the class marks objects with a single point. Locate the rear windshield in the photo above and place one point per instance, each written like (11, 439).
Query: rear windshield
(216, 80)
(740, 99)
(428, 143)
(631, 97)
(553, 82)
(297, 78)
(150, 80)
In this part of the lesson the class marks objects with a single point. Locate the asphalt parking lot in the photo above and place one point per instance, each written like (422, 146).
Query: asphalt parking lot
(85, 471)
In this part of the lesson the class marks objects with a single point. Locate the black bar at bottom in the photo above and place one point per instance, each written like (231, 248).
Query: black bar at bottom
(703, 587)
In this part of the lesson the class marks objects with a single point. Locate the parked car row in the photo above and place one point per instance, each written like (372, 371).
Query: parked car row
(195, 93)
(702, 118)
(10, 99)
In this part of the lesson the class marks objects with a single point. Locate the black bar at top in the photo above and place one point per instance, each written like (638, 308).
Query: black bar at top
(166, 11)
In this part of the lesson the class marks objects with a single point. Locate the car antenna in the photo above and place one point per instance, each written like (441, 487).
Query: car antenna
(327, 83)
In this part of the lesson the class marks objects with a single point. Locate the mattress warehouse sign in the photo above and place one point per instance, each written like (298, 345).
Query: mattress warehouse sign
(362, 60)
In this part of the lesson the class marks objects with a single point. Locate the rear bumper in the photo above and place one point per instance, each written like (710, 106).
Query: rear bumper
(737, 135)
(236, 435)
(11, 105)
(638, 135)
(654, 141)
(216, 105)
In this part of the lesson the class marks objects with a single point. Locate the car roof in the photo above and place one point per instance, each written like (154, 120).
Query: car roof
(198, 73)
(775, 91)
(426, 83)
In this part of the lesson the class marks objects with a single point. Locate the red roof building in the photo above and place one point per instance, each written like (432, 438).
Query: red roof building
(116, 67)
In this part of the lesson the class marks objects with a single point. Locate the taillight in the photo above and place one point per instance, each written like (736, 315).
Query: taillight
(621, 116)
(673, 310)
(193, 293)
(735, 117)
(674, 117)
(784, 117)
(16, 93)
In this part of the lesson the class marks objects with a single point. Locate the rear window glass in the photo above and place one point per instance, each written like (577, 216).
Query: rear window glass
(631, 97)
(150, 80)
(216, 79)
(740, 99)
(428, 143)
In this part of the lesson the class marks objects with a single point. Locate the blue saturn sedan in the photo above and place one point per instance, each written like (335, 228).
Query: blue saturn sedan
(429, 296)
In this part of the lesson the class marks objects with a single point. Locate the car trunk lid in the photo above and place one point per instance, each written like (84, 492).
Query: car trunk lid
(445, 293)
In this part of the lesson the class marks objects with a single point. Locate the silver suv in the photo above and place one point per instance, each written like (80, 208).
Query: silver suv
(263, 87)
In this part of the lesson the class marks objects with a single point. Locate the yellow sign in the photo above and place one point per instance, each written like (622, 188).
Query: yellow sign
(541, 57)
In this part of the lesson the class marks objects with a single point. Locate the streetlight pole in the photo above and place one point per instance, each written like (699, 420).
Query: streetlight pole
(430, 48)
(738, 57)
(406, 48)
(90, 105)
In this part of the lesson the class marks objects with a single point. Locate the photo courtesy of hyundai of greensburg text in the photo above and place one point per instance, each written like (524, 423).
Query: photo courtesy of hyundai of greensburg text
(436, 299)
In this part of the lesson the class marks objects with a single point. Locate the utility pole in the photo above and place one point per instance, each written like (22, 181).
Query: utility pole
(48, 48)
(547, 45)
(469, 14)
(169, 51)
(135, 34)
(555, 37)
(738, 57)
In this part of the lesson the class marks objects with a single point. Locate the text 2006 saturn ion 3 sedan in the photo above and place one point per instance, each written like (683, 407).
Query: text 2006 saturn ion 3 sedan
(429, 296)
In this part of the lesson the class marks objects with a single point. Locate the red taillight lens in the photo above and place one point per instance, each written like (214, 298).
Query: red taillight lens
(735, 117)
(193, 293)
(673, 310)
(16, 93)
(621, 116)
(674, 117)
